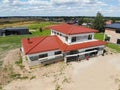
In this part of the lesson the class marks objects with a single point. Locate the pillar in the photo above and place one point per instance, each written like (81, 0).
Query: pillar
(65, 59)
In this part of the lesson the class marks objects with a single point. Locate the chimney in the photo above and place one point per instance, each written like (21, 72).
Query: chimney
(28, 39)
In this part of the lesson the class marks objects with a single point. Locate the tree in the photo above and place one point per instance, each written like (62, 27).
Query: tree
(99, 22)
(80, 21)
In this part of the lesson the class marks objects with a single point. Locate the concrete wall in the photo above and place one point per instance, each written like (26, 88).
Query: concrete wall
(39, 60)
(113, 35)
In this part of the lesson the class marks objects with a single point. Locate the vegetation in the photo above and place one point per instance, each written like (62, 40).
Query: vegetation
(99, 36)
(114, 46)
(19, 63)
(80, 21)
(98, 22)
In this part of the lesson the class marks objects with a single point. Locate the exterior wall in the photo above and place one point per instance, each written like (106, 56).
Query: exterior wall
(62, 37)
(53, 58)
(113, 35)
(100, 50)
(80, 38)
(39, 60)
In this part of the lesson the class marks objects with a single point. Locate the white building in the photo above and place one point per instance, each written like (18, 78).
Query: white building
(67, 42)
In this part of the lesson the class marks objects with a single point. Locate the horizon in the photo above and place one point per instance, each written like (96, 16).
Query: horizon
(108, 8)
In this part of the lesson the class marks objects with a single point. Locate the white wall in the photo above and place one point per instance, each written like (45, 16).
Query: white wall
(37, 62)
(79, 37)
(99, 52)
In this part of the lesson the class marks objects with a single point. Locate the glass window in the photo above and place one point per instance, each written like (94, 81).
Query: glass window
(43, 55)
(66, 38)
(89, 37)
(34, 58)
(73, 39)
(58, 52)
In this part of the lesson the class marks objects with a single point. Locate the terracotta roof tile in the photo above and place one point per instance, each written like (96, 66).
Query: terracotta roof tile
(48, 43)
(71, 29)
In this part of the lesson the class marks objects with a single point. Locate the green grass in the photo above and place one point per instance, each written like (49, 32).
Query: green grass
(40, 25)
(114, 46)
(100, 36)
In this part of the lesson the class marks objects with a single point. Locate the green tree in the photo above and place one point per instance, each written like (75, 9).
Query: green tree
(80, 21)
(99, 22)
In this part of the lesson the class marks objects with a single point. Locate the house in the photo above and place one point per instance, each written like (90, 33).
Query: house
(113, 32)
(14, 31)
(67, 42)
(108, 22)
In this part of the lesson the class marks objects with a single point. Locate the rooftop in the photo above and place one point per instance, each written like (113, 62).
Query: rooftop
(114, 26)
(49, 43)
(72, 29)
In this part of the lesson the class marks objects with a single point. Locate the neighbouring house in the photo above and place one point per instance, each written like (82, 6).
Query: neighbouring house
(108, 22)
(113, 33)
(67, 42)
(14, 31)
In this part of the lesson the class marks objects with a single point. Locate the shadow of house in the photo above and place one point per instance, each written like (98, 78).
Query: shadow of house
(14, 31)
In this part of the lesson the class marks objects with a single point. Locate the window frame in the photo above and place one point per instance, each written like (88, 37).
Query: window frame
(74, 39)
(43, 55)
(57, 52)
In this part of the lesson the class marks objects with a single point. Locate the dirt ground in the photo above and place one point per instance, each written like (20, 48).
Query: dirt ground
(98, 73)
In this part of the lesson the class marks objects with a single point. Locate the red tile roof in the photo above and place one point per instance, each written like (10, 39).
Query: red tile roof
(71, 29)
(48, 43)
(85, 45)
(40, 44)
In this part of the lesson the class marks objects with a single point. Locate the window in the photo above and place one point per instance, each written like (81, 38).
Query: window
(118, 41)
(34, 58)
(73, 39)
(60, 34)
(58, 52)
(57, 33)
(89, 37)
(66, 38)
(43, 55)
(117, 30)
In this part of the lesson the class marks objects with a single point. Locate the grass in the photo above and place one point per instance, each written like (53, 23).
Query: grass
(100, 36)
(36, 26)
(19, 62)
(114, 46)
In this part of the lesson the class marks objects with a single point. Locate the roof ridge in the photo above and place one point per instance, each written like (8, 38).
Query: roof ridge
(36, 44)
(70, 29)
(59, 42)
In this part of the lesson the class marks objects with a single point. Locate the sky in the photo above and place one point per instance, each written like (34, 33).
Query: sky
(59, 7)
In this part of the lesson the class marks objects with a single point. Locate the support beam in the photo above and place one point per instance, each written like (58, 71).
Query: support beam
(65, 59)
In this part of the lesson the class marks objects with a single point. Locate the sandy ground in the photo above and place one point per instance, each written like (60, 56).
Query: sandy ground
(99, 73)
